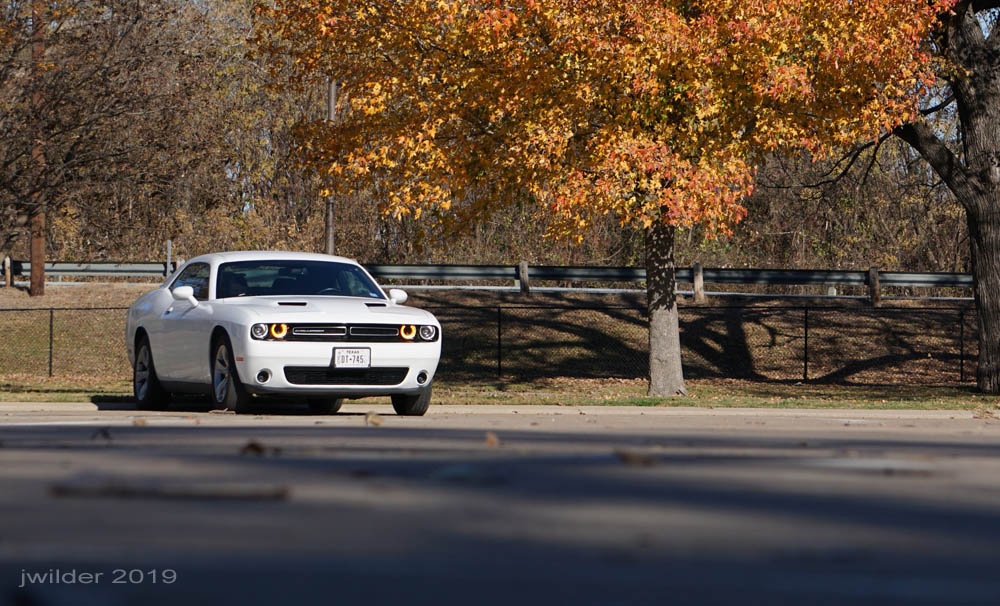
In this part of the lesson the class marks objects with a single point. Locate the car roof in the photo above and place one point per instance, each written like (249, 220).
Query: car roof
(266, 255)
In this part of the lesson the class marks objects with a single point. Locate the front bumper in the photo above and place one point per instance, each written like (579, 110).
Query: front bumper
(274, 356)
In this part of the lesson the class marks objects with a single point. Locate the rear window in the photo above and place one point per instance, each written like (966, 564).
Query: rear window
(290, 277)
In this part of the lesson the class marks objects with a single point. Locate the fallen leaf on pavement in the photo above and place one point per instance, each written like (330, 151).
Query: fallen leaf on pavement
(373, 418)
(635, 459)
(255, 448)
(983, 413)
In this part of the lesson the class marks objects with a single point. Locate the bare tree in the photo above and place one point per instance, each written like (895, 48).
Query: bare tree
(966, 38)
(75, 72)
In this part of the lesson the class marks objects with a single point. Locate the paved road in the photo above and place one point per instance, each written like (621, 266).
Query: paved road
(499, 505)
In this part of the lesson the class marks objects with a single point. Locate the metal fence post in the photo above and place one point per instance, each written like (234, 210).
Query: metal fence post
(499, 343)
(805, 347)
(52, 313)
(961, 345)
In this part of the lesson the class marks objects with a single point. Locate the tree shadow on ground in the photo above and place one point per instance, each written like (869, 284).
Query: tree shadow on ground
(782, 344)
(529, 343)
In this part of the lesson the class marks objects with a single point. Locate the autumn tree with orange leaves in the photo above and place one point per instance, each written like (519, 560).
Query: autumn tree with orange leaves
(653, 112)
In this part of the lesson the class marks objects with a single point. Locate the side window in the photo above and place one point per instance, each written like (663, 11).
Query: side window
(195, 276)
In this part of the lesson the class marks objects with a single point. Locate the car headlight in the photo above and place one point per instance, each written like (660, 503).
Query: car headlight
(427, 333)
(408, 331)
(278, 331)
(258, 331)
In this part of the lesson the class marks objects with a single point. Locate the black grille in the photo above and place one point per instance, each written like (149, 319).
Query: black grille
(323, 375)
(375, 331)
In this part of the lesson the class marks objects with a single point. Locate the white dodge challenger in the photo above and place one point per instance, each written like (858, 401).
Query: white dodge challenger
(291, 324)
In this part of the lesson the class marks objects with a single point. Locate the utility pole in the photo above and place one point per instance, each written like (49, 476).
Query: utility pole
(331, 117)
(37, 226)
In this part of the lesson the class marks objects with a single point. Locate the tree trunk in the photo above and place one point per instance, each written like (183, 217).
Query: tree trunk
(666, 377)
(37, 244)
(973, 176)
(331, 117)
(984, 239)
(37, 285)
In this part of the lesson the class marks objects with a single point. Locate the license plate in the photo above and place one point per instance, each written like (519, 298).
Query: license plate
(360, 357)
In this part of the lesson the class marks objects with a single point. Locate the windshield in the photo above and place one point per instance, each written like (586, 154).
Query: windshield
(290, 277)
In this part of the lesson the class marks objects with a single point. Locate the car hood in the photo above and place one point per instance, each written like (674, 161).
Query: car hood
(352, 310)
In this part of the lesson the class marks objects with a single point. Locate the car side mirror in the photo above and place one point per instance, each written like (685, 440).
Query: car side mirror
(397, 296)
(185, 293)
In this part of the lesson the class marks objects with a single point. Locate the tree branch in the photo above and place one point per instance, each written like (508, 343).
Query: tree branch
(854, 155)
(945, 163)
(939, 106)
(965, 35)
(871, 163)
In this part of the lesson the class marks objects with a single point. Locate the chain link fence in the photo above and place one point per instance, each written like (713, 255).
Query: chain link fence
(64, 342)
(831, 345)
(826, 344)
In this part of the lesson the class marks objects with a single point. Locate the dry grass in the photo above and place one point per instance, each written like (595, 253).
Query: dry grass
(95, 294)
(593, 392)
(717, 393)
(25, 388)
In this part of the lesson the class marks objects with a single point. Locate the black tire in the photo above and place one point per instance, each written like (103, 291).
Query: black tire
(146, 388)
(325, 406)
(227, 389)
(412, 406)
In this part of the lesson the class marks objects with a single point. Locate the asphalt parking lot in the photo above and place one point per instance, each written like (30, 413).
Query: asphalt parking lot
(493, 504)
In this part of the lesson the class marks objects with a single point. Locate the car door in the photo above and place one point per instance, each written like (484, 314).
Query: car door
(183, 344)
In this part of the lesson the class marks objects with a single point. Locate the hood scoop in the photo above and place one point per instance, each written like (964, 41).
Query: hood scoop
(375, 304)
(293, 303)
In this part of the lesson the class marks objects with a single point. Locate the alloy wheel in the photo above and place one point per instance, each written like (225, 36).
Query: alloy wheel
(220, 373)
(141, 378)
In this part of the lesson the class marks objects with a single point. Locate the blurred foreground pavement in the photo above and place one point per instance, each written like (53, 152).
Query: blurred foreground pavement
(498, 505)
